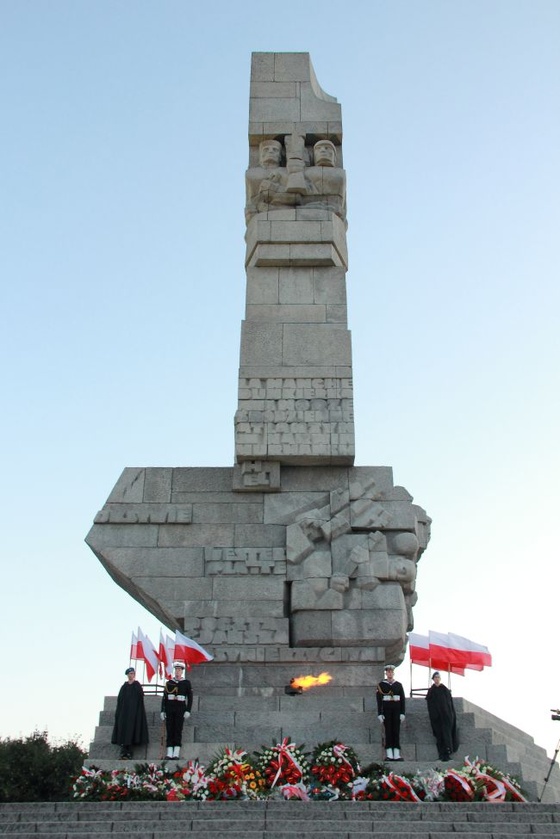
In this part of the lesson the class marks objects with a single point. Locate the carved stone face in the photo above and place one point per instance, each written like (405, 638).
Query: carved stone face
(324, 153)
(269, 153)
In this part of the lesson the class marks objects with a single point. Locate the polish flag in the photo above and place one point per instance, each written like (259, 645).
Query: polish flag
(133, 647)
(426, 654)
(165, 654)
(473, 656)
(419, 648)
(461, 653)
(147, 654)
(189, 651)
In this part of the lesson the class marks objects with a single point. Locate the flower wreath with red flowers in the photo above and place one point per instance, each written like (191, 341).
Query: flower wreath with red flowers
(282, 763)
(335, 766)
(232, 774)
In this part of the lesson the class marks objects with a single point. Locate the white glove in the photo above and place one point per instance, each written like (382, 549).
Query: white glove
(186, 715)
(381, 718)
(163, 716)
(402, 717)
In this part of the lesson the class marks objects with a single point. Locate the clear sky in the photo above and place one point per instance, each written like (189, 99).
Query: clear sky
(123, 146)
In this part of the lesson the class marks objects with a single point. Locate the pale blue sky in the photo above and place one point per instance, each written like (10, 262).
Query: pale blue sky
(122, 156)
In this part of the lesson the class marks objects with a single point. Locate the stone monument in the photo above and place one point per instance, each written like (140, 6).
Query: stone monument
(293, 559)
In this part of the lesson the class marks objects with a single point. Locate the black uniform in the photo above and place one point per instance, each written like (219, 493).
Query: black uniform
(390, 703)
(443, 720)
(177, 698)
(131, 727)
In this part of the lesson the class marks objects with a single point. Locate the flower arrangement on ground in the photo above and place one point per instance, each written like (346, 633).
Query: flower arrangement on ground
(284, 770)
(334, 766)
(283, 763)
(233, 774)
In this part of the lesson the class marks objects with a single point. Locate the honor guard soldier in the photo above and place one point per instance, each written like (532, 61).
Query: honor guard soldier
(176, 707)
(390, 712)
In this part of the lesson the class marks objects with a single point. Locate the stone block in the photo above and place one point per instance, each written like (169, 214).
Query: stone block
(261, 343)
(287, 314)
(157, 485)
(311, 628)
(371, 482)
(265, 535)
(313, 108)
(175, 536)
(262, 67)
(273, 90)
(296, 286)
(129, 487)
(355, 627)
(122, 536)
(201, 479)
(232, 512)
(329, 286)
(248, 588)
(294, 66)
(165, 562)
(316, 344)
(263, 286)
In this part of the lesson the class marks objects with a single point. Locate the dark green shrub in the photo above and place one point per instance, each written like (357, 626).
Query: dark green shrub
(33, 770)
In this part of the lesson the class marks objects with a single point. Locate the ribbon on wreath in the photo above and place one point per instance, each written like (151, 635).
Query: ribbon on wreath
(285, 752)
(338, 750)
(401, 787)
(495, 790)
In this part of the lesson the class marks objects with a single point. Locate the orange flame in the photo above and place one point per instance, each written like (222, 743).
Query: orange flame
(306, 682)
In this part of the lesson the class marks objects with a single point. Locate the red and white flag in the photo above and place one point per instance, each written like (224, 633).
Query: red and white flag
(133, 647)
(147, 654)
(165, 654)
(461, 653)
(189, 651)
(473, 656)
(426, 654)
(419, 648)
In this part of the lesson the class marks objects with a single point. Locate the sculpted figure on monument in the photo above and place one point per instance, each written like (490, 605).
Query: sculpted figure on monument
(266, 183)
(271, 186)
(327, 184)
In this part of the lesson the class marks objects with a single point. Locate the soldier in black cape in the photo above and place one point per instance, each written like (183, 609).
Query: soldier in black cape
(131, 727)
(442, 718)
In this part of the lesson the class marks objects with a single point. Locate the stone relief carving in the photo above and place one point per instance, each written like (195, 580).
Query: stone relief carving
(319, 184)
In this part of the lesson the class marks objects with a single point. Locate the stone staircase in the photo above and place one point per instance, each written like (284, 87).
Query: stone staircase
(324, 713)
(278, 820)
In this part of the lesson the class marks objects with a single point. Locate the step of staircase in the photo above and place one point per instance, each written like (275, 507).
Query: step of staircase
(278, 820)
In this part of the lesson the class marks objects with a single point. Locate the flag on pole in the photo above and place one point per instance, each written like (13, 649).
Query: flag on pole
(133, 647)
(426, 654)
(147, 654)
(442, 655)
(189, 651)
(473, 656)
(165, 655)
(419, 648)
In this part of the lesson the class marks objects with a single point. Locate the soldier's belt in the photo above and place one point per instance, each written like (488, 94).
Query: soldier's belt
(391, 699)
(173, 698)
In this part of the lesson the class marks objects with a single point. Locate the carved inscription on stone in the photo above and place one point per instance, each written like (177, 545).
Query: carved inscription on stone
(145, 514)
(256, 476)
(238, 631)
(240, 561)
(306, 415)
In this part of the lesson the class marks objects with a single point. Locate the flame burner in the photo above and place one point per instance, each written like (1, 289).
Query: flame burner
(301, 683)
